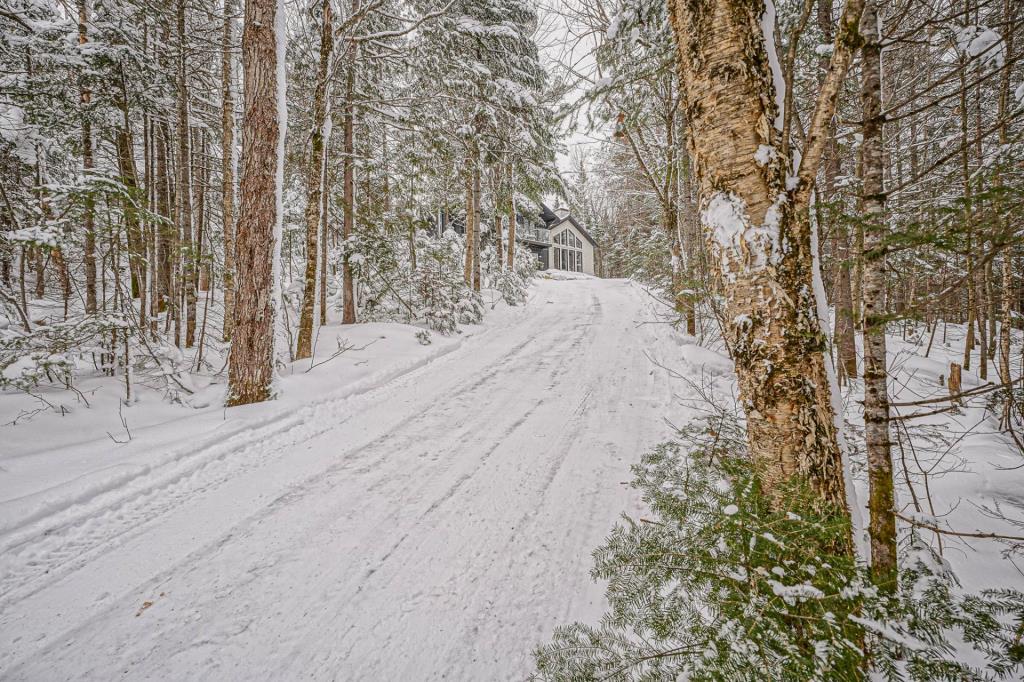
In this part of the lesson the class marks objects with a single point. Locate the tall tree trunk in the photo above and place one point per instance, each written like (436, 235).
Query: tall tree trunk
(129, 178)
(681, 298)
(44, 217)
(89, 219)
(882, 504)
(965, 172)
(136, 253)
(314, 186)
(325, 197)
(200, 179)
(511, 261)
(164, 229)
(148, 225)
(183, 189)
(498, 241)
(227, 167)
(477, 220)
(981, 314)
(844, 336)
(687, 238)
(845, 332)
(348, 181)
(748, 212)
(251, 364)
(682, 301)
(1006, 309)
(470, 213)
(991, 307)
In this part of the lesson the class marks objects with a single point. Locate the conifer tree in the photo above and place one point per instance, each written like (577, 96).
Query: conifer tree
(257, 250)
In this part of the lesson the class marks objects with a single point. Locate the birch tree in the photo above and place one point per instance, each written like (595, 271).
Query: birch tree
(754, 210)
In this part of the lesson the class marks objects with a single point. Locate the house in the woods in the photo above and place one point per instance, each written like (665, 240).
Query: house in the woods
(554, 236)
(558, 240)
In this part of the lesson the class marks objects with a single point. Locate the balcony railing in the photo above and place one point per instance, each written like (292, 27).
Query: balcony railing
(530, 234)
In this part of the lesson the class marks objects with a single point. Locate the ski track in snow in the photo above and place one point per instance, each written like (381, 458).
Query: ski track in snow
(437, 527)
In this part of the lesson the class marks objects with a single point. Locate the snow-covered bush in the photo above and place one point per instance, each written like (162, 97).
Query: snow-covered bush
(512, 283)
(431, 292)
(49, 353)
(442, 300)
(724, 584)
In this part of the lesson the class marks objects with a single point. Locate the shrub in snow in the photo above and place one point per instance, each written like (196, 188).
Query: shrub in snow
(440, 297)
(49, 353)
(512, 283)
(721, 584)
(432, 291)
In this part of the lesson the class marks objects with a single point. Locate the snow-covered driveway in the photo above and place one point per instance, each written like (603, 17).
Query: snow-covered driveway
(436, 527)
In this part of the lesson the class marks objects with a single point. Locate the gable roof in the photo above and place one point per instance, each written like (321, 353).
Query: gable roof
(553, 221)
(547, 215)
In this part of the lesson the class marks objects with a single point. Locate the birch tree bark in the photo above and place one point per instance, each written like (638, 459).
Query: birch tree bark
(251, 363)
(314, 186)
(756, 220)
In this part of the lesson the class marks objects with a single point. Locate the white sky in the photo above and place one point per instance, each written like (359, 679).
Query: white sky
(563, 50)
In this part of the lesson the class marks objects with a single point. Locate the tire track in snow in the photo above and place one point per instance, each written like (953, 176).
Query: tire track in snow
(469, 529)
(42, 558)
(323, 482)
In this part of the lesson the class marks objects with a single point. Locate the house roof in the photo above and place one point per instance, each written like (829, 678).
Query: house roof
(553, 221)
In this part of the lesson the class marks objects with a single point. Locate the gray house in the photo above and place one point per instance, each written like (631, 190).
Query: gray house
(553, 235)
(559, 241)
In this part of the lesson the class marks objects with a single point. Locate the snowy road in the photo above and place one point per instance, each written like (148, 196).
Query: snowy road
(436, 527)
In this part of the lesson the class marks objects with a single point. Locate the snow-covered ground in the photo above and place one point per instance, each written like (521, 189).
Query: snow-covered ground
(966, 474)
(403, 512)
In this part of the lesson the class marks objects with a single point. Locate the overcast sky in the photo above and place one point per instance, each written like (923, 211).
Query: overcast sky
(563, 50)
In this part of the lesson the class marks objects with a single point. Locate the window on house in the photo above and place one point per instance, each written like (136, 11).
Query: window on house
(568, 251)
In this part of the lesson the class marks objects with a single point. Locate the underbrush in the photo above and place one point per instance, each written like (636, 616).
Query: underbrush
(723, 582)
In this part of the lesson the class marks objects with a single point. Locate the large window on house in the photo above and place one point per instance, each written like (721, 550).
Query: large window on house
(568, 252)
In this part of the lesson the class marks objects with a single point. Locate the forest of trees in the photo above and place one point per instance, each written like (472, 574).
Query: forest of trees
(193, 186)
(186, 178)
